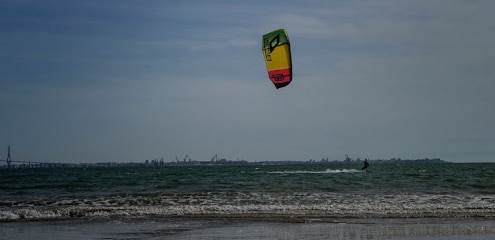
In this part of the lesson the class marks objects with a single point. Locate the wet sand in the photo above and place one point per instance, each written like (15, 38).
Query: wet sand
(427, 229)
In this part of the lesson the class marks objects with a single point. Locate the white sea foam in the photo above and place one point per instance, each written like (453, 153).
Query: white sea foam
(307, 205)
(316, 172)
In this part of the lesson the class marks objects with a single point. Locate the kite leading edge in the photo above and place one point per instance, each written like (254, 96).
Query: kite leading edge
(276, 50)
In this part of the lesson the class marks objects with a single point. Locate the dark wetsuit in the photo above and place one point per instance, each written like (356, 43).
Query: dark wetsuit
(366, 165)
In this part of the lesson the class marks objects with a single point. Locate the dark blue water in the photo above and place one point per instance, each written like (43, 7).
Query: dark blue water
(386, 190)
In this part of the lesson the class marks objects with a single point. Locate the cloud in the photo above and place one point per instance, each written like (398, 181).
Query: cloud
(374, 79)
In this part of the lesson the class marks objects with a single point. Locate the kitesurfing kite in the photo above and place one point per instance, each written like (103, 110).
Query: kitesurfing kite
(276, 50)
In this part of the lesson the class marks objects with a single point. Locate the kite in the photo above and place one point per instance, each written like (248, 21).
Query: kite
(276, 50)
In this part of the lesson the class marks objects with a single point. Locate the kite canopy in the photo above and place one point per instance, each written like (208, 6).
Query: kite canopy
(276, 50)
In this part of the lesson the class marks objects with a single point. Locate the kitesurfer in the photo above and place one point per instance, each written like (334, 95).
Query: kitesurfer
(366, 165)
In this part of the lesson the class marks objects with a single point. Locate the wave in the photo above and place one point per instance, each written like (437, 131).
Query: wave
(254, 205)
(316, 172)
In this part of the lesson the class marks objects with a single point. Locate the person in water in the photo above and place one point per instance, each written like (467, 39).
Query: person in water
(366, 165)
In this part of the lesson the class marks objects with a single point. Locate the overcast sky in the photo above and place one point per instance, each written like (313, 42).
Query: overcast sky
(121, 81)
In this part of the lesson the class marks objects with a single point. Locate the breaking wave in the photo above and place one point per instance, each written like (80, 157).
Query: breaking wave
(253, 205)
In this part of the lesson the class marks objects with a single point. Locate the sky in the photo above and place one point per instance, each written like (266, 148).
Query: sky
(127, 81)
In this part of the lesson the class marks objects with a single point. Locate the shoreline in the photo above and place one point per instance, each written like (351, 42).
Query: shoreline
(268, 218)
(208, 228)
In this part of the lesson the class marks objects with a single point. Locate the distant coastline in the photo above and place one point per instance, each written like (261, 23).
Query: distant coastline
(214, 162)
(294, 162)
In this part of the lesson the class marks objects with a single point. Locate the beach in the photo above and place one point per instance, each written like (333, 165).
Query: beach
(180, 228)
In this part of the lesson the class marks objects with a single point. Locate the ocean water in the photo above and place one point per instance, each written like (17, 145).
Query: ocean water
(284, 193)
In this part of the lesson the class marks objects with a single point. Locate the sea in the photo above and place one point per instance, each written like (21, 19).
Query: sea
(176, 202)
